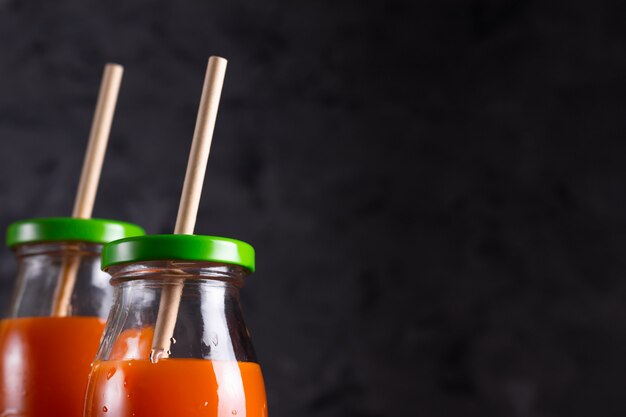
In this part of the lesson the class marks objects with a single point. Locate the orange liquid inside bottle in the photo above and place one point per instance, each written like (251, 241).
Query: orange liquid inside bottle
(176, 387)
(123, 387)
(44, 364)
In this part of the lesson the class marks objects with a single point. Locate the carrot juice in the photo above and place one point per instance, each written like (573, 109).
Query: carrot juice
(210, 368)
(44, 364)
(175, 387)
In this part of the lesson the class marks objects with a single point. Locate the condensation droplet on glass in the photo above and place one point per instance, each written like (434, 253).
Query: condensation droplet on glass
(156, 355)
(172, 340)
(125, 382)
(111, 373)
(105, 409)
(234, 412)
(214, 339)
(206, 403)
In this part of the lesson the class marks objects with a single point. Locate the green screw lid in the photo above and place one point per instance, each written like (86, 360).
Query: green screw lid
(179, 247)
(64, 229)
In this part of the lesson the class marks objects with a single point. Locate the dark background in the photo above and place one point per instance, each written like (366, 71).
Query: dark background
(436, 190)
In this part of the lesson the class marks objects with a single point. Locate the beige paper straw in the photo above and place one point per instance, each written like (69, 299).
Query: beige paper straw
(190, 199)
(89, 178)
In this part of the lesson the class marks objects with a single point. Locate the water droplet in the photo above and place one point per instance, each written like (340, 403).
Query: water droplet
(206, 403)
(214, 339)
(172, 341)
(125, 382)
(105, 409)
(111, 373)
(234, 412)
(156, 355)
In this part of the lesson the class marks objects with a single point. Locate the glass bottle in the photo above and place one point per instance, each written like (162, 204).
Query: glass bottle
(47, 344)
(211, 368)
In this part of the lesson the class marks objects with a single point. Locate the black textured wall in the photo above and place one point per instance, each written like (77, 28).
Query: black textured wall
(436, 190)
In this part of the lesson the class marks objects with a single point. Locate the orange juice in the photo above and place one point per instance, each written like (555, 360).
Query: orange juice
(175, 388)
(44, 364)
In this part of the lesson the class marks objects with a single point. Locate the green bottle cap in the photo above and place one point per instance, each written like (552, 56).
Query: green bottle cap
(69, 229)
(179, 247)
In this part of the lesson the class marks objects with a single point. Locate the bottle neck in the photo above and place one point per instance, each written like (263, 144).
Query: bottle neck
(176, 270)
(57, 249)
(39, 271)
(209, 321)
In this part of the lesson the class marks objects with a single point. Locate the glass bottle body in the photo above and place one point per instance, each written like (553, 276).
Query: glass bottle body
(211, 368)
(45, 360)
